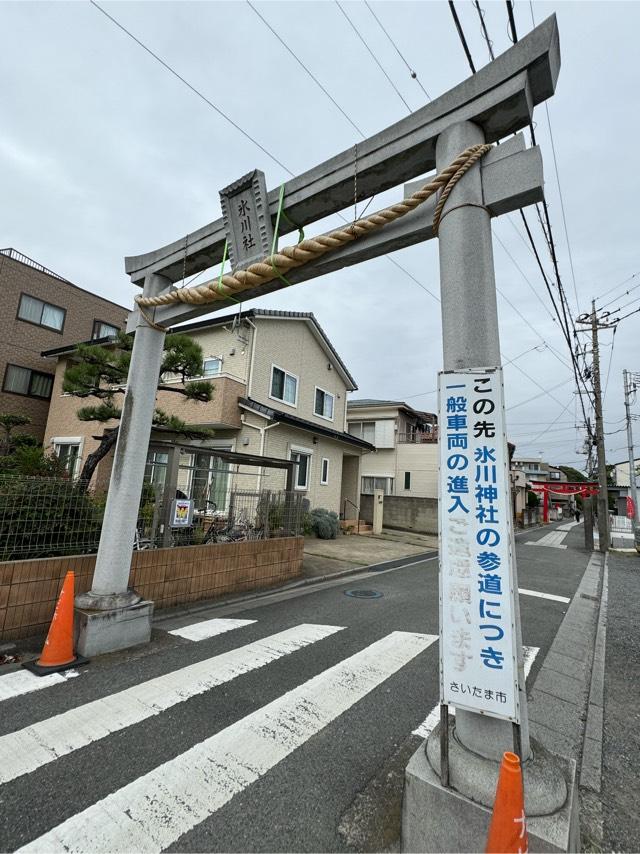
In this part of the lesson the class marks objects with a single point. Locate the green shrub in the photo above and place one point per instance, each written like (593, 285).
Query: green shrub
(324, 523)
(46, 517)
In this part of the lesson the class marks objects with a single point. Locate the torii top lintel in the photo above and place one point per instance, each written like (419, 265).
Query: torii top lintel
(500, 98)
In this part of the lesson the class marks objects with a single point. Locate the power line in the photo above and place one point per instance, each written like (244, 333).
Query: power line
(615, 287)
(456, 21)
(536, 396)
(191, 87)
(412, 72)
(565, 326)
(372, 54)
(564, 218)
(304, 67)
(483, 27)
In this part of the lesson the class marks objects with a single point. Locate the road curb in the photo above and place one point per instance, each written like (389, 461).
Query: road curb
(566, 701)
(591, 766)
(396, 563)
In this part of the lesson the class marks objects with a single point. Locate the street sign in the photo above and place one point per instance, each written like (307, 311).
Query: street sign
(478, 649)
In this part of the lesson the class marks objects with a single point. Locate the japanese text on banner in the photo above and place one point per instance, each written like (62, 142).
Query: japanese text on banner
(477, 643)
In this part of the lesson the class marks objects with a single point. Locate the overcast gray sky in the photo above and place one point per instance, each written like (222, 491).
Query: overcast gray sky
(104, 154)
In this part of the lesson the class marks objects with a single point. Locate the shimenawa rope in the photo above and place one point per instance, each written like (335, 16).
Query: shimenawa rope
(281, 261)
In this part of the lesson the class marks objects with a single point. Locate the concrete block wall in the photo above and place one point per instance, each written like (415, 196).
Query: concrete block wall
(29, 588)
(404, 514)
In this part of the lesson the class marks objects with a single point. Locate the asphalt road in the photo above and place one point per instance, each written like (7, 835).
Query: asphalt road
(271, 753)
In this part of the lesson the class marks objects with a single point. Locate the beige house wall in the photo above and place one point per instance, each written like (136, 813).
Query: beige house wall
(420, 459)
(290, 345)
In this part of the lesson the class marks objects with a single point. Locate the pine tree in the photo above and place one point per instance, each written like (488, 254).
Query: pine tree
(100, 372)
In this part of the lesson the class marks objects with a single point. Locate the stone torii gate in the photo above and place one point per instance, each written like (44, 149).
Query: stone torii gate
(498, 101)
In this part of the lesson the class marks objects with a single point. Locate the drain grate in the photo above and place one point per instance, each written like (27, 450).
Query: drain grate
(364, 594)
(586, 596)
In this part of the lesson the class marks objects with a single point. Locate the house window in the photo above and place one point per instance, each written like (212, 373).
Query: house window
(324, 476)
(364, 430)
(30, 383)
(68, 452)
(41, 313)
(211, 366)
(284, 386)
(407, 480)
(554, 475)
(323, 404)
(371, 483)
(103, 330)
(302, 469)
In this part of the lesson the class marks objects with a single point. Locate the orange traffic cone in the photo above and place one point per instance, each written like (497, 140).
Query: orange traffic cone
(508, 828)
(57, 653)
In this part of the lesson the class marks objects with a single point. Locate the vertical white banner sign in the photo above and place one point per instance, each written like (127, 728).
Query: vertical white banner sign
(478, 654)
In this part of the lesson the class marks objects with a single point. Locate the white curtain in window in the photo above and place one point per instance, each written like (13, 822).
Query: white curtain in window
(41, 385)
(290, 384)
(17, 379)
(52, 316)
(30, 309)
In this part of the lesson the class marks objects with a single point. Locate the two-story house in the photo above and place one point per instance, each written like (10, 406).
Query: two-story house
(406, 458)
(280, 390)
(42, 310)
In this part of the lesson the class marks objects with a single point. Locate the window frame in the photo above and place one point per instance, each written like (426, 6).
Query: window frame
(286, 373)
(333, 403)
(388, 488)
(304, 452)
(97, 322)
(324, 477)
(58, 441)
(361, 424)
(43, 303)
(217, 359)
(32, 373)
(407, 481)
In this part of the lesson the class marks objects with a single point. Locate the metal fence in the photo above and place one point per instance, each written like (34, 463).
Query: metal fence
(245, 515)
(49, 517)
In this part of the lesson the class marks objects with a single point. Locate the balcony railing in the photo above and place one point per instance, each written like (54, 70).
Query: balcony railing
(417, 438)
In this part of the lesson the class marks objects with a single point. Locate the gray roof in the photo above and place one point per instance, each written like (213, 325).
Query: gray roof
(369, 401)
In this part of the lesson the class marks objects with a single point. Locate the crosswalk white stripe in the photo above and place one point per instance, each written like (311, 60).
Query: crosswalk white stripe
(23, 682)
(155, 810)
(26, 750)
(554, 540)
(433, 718)
(209, 628)
(524, 592)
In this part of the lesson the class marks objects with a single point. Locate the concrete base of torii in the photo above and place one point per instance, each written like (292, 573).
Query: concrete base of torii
(437, 819)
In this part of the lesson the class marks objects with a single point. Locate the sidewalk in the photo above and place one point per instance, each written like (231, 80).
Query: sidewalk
(326, 557)
(621, 755)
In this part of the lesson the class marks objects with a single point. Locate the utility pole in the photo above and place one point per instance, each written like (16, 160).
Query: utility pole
(629, 389)
(603, 495)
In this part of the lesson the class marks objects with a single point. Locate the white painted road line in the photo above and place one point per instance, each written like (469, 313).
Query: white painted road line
(427, 726)
(553, 540)
(209, 628)
(30, 748)
(155, 810)
(524, 592)
(23, 682)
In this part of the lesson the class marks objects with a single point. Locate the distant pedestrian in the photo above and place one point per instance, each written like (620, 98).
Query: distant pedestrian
(577, 515)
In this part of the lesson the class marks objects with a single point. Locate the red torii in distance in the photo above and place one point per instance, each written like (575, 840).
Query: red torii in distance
(585, 489)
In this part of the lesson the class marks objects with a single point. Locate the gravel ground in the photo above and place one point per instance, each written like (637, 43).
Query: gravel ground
(621, 754)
